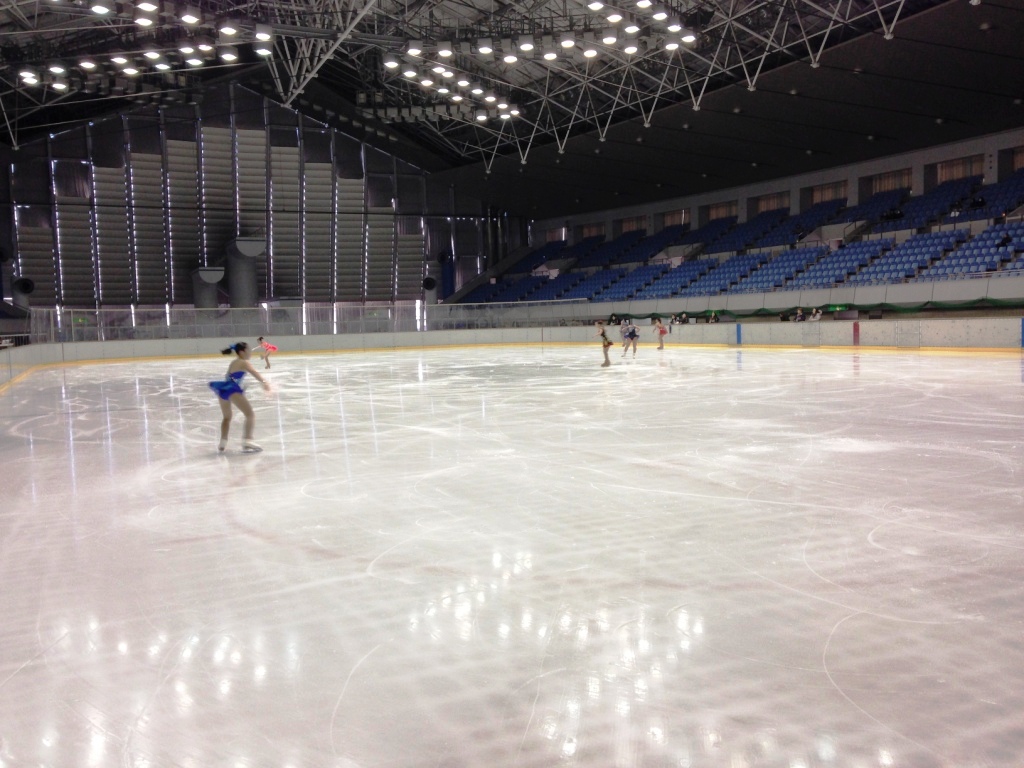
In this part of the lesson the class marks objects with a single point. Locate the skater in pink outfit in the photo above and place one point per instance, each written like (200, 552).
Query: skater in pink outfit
(266, 348)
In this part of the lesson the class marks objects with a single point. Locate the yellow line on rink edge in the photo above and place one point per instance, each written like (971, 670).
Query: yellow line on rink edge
(849, 349)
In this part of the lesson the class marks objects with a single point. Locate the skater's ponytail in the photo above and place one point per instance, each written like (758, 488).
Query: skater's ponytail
(237, 347)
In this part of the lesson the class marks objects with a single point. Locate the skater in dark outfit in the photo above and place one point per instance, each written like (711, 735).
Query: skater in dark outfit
(605, 342)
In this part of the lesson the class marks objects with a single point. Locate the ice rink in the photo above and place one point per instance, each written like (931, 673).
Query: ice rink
(509, 556)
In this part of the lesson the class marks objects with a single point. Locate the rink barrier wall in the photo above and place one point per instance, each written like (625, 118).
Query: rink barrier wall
(939, 333)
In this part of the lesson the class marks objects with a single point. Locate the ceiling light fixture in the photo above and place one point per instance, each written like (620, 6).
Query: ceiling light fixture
(390, 61)
(102, 7)
(415, 47)
(609, 37)
(614, 17)
(481, 115)
(444, 50)
(526, 43)
(567, 40)
(595, 5)
(228, 53)
(191, 15)
(484, 46)
(264, 32)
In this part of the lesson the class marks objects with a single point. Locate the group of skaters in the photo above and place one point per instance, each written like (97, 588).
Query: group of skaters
(630, 336)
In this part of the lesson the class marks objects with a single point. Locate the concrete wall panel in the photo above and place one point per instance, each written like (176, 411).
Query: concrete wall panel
(878, 333)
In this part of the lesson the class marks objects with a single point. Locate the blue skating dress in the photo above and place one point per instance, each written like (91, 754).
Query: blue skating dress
(229, 385)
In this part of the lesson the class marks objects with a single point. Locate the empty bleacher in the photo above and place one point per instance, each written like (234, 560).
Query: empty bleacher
(611, 252)
(633, 282)
(730, 271)
(837, 266)
(909, 257)
(676, 279)
(792, 229)
(930, 207)
(990, 201)
(539, 257)
(710, 232)
(995, 249)
(593, 284)
(875, 207)
(780, 270)
(743, 235)
(621, 269)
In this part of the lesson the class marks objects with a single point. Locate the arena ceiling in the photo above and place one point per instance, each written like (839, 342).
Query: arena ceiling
(717, 93)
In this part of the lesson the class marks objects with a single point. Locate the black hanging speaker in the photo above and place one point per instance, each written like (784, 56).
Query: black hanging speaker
(429, 284)
(24, 286)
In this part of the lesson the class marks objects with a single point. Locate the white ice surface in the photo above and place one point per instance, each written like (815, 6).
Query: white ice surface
(513, 557)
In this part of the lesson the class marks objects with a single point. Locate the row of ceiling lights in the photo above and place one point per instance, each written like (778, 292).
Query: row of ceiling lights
(194, 50)
(446, 82)
(525, 45)
(193, 54)
(511, 50)
(148, 13)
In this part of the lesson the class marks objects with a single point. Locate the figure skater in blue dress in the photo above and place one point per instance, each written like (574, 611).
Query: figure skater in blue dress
(230, 392)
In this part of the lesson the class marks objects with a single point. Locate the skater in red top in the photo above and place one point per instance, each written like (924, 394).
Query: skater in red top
(660, 330)
(266, 347)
